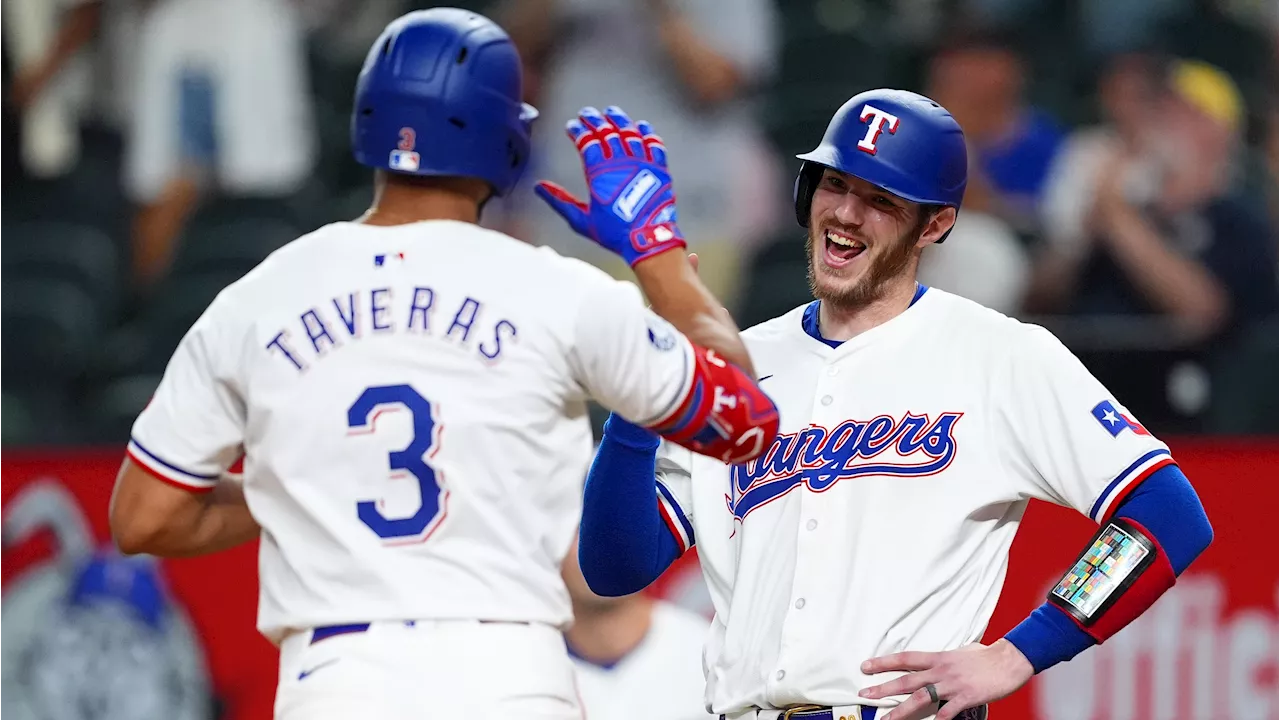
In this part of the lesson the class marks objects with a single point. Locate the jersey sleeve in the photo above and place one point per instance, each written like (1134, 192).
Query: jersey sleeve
(629, 359)
(193, 428)
(673, 474)
(1068, 439)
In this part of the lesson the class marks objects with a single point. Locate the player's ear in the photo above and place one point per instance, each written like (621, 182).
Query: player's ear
(938, 224)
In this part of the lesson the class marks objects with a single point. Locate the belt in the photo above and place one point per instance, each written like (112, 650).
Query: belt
(814, 712)
(809, 712)
(325, 632)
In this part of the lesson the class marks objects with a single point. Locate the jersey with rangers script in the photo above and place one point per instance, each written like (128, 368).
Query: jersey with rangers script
(411, 406)
(881, 518)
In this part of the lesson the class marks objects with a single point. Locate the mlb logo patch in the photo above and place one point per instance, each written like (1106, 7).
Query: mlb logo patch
(662, 338)
(381, 260)
(1114, 421)
(404, 161)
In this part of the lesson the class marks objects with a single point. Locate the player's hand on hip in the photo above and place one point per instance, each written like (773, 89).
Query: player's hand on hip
(631, 207)
(973, 675)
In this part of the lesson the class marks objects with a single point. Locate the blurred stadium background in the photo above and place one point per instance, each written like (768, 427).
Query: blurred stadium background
(1123, 193)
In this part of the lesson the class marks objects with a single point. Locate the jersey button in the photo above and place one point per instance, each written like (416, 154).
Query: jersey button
(800, 604)
(811, 524)
(826, 399)
(833, 371)
(781, 674)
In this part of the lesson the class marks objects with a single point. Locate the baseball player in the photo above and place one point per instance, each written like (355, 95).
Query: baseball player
(634, 655)
(408, 392)
(855, 565)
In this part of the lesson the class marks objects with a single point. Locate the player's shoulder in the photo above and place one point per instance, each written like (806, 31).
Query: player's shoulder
(780, 330)
(974, 325)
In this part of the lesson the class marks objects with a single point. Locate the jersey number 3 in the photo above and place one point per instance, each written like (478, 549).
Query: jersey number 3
(361, 419)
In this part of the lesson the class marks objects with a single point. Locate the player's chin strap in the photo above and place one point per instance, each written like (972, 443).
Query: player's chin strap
(1121, 574)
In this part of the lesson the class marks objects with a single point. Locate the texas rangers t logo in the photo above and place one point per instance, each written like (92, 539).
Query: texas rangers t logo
(880, 121)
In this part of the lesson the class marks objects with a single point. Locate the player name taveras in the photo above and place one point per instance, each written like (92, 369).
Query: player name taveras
(325, 327)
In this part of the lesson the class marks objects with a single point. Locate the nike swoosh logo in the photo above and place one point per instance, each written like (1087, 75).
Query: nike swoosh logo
(766, 377)
(307, 673)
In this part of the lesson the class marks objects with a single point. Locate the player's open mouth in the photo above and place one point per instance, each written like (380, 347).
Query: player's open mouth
(841, 249)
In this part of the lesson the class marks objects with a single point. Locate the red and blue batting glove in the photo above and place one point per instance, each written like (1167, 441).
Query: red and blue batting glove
(632, 209)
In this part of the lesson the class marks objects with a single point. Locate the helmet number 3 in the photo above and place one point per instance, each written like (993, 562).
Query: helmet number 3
(362, 418)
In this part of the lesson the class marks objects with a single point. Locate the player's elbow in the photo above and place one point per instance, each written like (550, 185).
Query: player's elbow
(1199, 532)
(135, 531)
(614, 584)
(609, 577)
(132, 534)
(137, 524)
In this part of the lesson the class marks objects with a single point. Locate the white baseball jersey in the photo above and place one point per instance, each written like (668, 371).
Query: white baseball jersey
(661, 679)
(410, 402)
(881, 519)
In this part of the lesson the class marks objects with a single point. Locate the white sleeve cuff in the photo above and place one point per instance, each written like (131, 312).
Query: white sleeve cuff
(1138, 471)
(167, 471)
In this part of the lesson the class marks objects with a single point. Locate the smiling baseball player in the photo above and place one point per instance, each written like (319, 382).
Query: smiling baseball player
(855, 565)
(409, 393)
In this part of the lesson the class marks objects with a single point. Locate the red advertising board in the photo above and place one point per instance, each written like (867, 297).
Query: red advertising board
(1206, 651)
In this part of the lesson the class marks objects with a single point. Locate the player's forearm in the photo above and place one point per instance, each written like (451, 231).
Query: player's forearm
(222, 523)
(1165, 505)
(150, 517)
(1174, 284)
(623, 545)
(678, 296)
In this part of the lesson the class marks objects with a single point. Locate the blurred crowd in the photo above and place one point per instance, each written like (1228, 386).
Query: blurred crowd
(1123, 181)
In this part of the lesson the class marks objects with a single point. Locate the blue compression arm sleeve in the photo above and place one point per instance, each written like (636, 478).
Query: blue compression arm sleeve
(623, 544)
(1165, 504)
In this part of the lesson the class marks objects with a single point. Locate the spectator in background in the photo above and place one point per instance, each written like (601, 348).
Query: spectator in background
(209, 93)
(1166, 234)
(689, 67)
(635, 656)
(1128, 91)
(980, 79)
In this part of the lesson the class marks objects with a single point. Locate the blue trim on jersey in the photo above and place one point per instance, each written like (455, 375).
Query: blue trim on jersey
(809, 321)
(1168, 507)
(1097, 504)
(328, 631)
(684, 521)
(171, 466)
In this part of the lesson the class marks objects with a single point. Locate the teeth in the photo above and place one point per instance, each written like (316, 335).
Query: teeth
(844, 241)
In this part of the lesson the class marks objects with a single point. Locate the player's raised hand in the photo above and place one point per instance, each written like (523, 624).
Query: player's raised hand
(631, 208)
(971, 676)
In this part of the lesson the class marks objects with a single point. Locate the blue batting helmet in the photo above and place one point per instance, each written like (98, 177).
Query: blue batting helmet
(439, 94)
(902, 142)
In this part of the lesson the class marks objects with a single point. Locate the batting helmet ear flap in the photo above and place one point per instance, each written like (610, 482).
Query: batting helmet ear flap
(806, 183)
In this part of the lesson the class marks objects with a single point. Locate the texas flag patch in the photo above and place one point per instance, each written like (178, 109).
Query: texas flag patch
(1114, 421)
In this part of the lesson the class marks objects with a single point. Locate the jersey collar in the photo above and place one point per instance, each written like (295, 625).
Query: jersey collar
(809, 321)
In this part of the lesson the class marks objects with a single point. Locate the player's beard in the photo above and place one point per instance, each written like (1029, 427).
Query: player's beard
(872, 284)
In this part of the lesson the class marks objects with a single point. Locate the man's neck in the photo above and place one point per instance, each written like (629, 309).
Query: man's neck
(603, 637)
(841, 324)
(400, 204)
